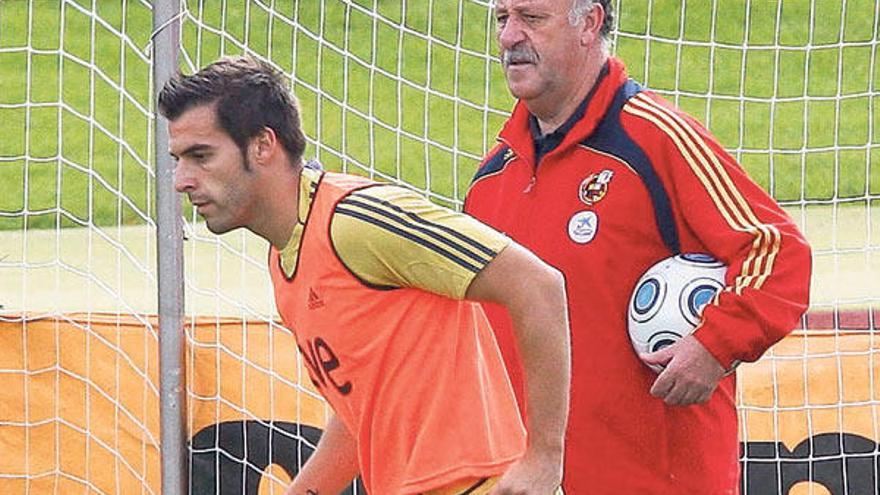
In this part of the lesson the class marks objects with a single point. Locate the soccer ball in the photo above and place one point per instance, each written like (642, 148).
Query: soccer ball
(668, 301)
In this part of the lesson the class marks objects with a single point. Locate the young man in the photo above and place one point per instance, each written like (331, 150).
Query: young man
(601, 179)
(374, 281)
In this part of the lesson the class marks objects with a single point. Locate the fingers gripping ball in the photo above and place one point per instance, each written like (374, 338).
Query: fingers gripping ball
(667, 302)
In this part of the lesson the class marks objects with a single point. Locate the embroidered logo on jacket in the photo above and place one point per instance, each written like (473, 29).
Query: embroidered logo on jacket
(508, 155)
(595, 187)
(315, 300)
(582, 226)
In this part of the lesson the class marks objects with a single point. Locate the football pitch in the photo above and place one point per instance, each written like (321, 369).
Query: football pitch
(76, 131)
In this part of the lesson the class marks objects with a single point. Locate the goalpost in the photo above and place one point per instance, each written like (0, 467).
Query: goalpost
(408, 91)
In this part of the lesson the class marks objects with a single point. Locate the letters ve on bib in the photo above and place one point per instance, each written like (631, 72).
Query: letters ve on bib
(668, 300)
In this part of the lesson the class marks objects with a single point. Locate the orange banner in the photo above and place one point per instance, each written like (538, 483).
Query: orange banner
(79, 409)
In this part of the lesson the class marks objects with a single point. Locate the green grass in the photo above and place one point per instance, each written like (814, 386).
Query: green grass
(61, 154)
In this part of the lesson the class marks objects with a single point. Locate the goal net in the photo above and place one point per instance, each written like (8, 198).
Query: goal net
(78, 392)
(408, 91)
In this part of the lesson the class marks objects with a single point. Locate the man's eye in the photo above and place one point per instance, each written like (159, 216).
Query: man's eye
(501, 20)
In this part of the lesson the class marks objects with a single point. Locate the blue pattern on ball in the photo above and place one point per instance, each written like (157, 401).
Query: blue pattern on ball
(700, 297)
(699, 258)
(646, 295)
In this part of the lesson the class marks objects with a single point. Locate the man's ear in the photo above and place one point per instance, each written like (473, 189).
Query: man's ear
(263, 146)
(591, 29)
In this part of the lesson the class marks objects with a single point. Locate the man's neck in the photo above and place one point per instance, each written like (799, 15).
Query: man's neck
(279, 209)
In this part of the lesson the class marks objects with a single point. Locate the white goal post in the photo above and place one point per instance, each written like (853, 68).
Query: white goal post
(408, 91)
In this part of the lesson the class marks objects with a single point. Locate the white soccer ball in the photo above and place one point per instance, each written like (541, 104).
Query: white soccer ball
(667, 303)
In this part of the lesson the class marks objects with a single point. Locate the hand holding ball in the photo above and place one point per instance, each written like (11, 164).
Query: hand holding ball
(668, 301)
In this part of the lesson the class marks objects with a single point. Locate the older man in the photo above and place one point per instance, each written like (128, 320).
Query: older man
(602, 178)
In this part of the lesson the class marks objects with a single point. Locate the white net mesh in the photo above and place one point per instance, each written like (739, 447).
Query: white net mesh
(76, 234)
(407, 91)
(76, 157)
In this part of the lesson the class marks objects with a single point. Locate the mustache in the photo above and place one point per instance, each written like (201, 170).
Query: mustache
(519, 54)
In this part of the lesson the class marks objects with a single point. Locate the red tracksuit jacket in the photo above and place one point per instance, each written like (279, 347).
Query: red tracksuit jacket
(632, 181)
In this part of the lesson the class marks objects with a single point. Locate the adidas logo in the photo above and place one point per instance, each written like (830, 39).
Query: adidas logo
(315, 300)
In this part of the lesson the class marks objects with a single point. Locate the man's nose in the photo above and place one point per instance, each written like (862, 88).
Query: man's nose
(183, 181)
(510, 34)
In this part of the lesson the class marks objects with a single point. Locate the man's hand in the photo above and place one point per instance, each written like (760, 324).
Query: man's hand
(690, 375)
(332, 466)
(532, 475)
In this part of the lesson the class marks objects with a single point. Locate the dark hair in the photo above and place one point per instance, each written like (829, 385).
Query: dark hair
(250, 96)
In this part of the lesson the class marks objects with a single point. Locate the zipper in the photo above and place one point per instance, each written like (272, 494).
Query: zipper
(531, 184)
(525, 211)
(534, 179)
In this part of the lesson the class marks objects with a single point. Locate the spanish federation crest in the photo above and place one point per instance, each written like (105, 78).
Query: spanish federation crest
(595, 187)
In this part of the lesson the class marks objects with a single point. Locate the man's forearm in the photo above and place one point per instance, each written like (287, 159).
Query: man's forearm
(332, 466)
(543, 338)
(534, 295)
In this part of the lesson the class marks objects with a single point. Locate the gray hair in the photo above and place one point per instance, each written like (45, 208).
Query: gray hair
(579, 9)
